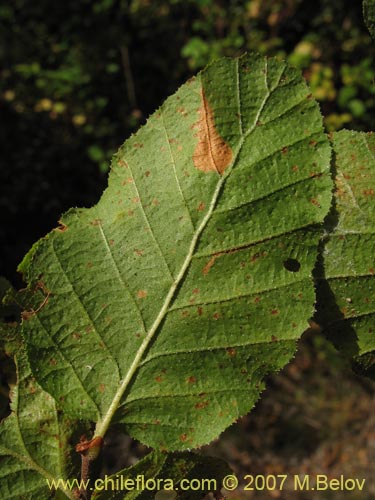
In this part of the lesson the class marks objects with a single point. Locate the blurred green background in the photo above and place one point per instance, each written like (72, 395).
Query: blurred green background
(79, 76)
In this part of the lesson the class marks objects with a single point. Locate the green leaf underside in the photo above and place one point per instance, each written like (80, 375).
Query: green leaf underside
(164, 468)
(33, 442)
(369, 16)
(172, 298)
(349, 255)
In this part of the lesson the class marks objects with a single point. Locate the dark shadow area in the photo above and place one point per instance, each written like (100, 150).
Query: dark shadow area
(42, 174)
(329, 316)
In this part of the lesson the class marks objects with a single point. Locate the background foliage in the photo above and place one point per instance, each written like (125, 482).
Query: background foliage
(78, 78)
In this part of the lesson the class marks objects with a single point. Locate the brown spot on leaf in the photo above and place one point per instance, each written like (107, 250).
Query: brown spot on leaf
(141, 294)
(76, 336)
(196, 291)
(102, 388)
(211, 262)
(313, 143)
(212, 153)
(368, 192)
(182, 111)
(231, 352)
(159, 379)
(122, 163)
(201, 404)
(183, 437)
(53, 362)
(200, 311)
(372, 270)
(315, 202)
(284, 150)
(147, 173)
(201, 206)
(138, 145)
(274, 312)
(191, 380)
(96, 222)
(254, 257)
(216, 315)
(295, 168)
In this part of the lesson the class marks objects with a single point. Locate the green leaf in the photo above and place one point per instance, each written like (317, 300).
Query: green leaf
(165, 305)
(160, 471)
(369, 15)
(33, 438)
(346, 305)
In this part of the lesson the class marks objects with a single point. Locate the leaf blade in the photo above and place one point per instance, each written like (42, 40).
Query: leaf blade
(116, 274)
(346, 301)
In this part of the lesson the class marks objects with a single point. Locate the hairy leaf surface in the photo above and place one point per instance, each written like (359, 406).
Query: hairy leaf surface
(165, 305)
(347, 291)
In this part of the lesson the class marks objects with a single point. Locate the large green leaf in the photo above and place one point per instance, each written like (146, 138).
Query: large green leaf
(369, 15)
(165, 305)
(347, 285)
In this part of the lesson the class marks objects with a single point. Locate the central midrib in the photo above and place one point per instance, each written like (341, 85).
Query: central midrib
(102, 426)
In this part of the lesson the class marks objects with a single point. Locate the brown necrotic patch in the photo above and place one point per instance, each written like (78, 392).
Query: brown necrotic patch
(211, 262)
(61, 228)
(212, 153)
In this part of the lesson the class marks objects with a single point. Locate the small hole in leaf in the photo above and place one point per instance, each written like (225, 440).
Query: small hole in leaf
(292, 265)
